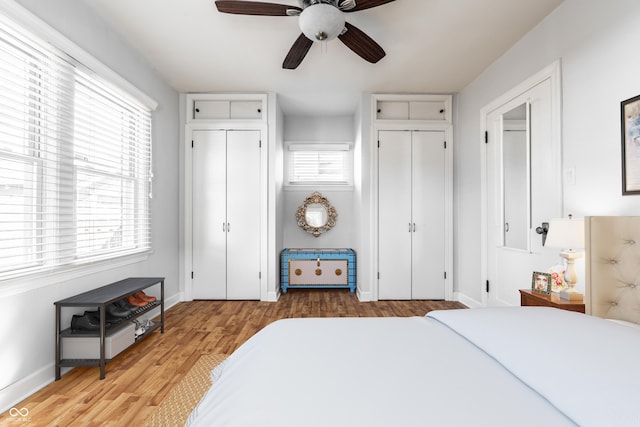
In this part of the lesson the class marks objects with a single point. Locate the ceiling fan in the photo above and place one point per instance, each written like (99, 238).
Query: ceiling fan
(319, 20)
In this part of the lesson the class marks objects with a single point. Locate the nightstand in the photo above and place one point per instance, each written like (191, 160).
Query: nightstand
(528, 298)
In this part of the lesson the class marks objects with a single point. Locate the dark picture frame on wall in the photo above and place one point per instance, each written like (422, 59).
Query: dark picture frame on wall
(630, 130)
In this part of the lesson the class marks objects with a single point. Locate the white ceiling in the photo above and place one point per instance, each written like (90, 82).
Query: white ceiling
(432, 46)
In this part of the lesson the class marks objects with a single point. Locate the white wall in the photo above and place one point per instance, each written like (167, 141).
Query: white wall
(343, 235)
(27, 318)
(597, 43)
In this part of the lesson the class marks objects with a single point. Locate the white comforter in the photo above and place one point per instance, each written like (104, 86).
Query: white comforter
(587, 367)
(480, 367)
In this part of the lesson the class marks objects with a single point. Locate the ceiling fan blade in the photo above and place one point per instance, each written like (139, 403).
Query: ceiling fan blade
(297, 52)
(254, 8)
(367, 4)
(361, 44)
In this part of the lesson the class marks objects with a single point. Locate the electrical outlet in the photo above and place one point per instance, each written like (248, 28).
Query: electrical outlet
(570, 176)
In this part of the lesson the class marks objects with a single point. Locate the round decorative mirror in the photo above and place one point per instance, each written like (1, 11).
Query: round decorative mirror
(316, 215)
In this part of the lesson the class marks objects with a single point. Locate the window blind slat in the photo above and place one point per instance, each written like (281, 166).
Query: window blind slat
(319, 167)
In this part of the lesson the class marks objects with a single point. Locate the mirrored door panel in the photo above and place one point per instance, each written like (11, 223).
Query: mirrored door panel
(515, 171)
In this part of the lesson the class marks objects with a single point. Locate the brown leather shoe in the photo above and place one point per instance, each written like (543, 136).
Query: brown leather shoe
(134, 300)
(144, 297)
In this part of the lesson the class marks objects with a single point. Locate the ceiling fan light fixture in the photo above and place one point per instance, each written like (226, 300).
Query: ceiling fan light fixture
(321, 22)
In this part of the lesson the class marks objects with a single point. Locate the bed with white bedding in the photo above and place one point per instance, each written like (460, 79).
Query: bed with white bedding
(442, 369)
(524, 366)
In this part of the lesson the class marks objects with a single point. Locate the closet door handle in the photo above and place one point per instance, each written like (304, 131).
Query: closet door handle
(228, 227)
(414, 227)
(409, 227)
(224, 227)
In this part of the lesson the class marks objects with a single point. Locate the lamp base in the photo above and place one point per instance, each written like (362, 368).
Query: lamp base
(570, 294)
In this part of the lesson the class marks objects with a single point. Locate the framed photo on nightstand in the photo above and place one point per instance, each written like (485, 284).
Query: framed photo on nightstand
(541, 283)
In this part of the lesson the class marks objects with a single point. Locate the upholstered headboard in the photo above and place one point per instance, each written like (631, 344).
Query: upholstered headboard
(612, 264)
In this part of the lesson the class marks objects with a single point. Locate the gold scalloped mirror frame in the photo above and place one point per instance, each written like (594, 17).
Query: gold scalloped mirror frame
(331, 215)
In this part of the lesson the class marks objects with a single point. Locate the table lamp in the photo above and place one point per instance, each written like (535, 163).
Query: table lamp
(568, 235)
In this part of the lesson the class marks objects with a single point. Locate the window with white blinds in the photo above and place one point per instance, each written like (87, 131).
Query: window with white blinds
(320, 164)
(75, 155)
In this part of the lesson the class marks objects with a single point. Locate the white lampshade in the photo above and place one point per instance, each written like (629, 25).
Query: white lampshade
(321, 22)
(565, 233)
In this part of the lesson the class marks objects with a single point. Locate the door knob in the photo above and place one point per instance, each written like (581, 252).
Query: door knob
(543, 229)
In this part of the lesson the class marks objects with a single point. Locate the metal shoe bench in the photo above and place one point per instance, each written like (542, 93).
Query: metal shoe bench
(100, 298)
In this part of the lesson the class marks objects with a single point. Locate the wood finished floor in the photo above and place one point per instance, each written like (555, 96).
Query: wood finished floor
(138, 379)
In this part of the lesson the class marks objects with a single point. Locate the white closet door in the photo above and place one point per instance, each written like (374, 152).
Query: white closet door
(243, 214)
(394, 215)
(209, 215)
(428, 213)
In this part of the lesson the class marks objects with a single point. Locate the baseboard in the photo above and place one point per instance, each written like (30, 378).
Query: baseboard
(171, 301)
(15, 393)
(469, 302)
(363, 296)
(273, 296)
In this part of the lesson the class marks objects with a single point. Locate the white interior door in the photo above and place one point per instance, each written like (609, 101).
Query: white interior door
(394, 215)
(209, 215)
(243, 214)
(428, 215)
(510, 262)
